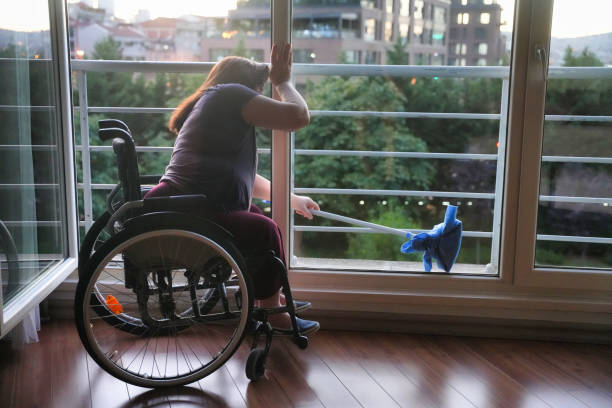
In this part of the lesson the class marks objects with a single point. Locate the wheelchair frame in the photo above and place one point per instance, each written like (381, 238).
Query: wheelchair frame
(132, 223)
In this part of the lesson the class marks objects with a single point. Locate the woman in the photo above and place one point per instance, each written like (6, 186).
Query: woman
(215, 154)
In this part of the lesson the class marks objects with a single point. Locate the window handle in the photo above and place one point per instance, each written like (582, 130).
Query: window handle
(540, 53)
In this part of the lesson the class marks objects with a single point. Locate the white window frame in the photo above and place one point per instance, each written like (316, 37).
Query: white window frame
(35, 292)
(504, 296)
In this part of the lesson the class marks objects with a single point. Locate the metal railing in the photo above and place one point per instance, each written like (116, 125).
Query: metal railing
(81, 68)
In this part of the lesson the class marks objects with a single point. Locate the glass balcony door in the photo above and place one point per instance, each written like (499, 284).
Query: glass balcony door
(37, 228)
(568, 145)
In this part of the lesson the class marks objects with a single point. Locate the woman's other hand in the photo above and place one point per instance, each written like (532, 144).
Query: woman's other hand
(281, 60)
(302, 205)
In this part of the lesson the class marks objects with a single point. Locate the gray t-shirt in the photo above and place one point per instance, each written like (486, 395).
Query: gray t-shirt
(215, 152)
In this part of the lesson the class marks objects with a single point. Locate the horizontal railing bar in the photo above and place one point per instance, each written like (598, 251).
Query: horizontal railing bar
(141, 66)
(33, 223)
(28, 147)
(577, 118)
(402, 193)
(582, 200)
(380, 114)
(125, 109)
(370, 153)
(569, 238)
(41, 108)
(310, 228)
(555, 72)
(28, 185)
(363, 114)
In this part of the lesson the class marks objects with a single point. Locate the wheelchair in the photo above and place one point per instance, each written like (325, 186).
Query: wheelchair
(164, 296)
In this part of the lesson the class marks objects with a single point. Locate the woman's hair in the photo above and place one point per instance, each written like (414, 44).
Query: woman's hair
(230, 70)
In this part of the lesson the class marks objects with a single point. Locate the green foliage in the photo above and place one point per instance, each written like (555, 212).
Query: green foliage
(585, 59)
(383, 246)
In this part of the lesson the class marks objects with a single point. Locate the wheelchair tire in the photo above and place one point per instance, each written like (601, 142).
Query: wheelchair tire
(256, 364)
(131, 294)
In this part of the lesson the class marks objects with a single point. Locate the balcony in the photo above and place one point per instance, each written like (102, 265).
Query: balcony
(491, 236)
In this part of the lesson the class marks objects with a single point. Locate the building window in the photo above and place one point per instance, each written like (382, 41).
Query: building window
(460, 49)
(417, 12)
(439, 15)
(404, 8)
(463, 18)
(438, 38)
(464, 2)
(371, 57)
(304, 56)
(351, 56)
(404, 30)
(461, 62)
(388, 30)
(480, 32)
(485, 18)
(483, 48)
(487, 2)
(389, 4)
(370, 30)
(369, 3)
(481, 61)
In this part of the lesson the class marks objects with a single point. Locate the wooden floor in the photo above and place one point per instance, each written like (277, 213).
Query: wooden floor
(339, 369)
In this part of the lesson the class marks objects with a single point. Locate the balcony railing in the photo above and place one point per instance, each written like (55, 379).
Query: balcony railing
(81, 68)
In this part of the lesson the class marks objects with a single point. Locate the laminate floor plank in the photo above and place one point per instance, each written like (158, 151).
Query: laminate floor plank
(33, 387)
(502, 390)
(8, 372)
(422, 368)
(330, 391)
(290, 376)
(380, 363)
(69, 376)
(106, 390)
(339, 357)
(510, 357)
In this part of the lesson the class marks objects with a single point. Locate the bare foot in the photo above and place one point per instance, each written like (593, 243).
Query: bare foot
(280, 321)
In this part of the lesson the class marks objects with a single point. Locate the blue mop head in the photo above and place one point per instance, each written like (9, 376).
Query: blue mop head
(442, 243)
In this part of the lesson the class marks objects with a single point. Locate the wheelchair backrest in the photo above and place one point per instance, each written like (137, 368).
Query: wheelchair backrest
(125, 150)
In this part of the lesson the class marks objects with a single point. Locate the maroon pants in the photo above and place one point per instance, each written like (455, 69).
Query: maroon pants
(253, 232)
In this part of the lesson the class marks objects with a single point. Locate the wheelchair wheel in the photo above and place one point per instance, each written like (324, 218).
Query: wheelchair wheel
(158, 307)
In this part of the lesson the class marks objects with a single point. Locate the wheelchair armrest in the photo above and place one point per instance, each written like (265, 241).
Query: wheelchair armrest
(150, 179)
(181, 203)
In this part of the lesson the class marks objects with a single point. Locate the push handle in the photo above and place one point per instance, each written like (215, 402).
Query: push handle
(348, 220)
(112, 123)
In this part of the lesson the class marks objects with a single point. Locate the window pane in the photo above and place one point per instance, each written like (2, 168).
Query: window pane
(575, 208)
(33, 235)
(386, 149)
(181, 30)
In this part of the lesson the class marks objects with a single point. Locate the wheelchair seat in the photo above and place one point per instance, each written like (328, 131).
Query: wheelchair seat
(164, 295)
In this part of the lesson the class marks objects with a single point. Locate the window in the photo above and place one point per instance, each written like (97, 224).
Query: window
(438, 38)
(487, 2)
(372, 57)
(460, 49)
(482, 49)
(437, 59)
(404, 30)
(463, 18)
(480, 32)
(351, 56)
(389, 6)
(304, 56)
(439, 15)
(417, 11)
(481, 62)
(370, 28)
(388, 30)
(485, 18)
(464, 2)
(404, 8)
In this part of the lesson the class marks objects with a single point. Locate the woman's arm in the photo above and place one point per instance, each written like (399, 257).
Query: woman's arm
(291, 113)
(301, 204)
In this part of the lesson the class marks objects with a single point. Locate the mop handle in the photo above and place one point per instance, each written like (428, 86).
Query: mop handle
(360, 223)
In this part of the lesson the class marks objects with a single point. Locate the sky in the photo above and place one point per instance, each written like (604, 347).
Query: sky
(571, 18)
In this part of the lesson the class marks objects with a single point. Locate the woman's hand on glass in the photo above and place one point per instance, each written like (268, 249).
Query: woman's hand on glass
(281, 60)
(302, 205)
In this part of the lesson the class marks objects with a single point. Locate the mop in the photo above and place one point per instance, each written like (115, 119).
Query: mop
(441, 244)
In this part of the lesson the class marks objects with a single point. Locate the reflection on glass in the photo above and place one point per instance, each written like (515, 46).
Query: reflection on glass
(575, 207)
(32, 216)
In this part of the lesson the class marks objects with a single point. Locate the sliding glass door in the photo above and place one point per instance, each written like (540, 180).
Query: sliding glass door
(35, 157)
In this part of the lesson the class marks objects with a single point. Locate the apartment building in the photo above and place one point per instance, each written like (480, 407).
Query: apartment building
(333, 31)
(475, 37)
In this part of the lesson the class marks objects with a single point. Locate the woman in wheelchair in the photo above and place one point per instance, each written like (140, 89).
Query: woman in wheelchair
(215, 154)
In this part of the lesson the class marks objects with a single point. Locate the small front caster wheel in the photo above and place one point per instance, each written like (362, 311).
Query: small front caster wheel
(256, 364)
(301, 342)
